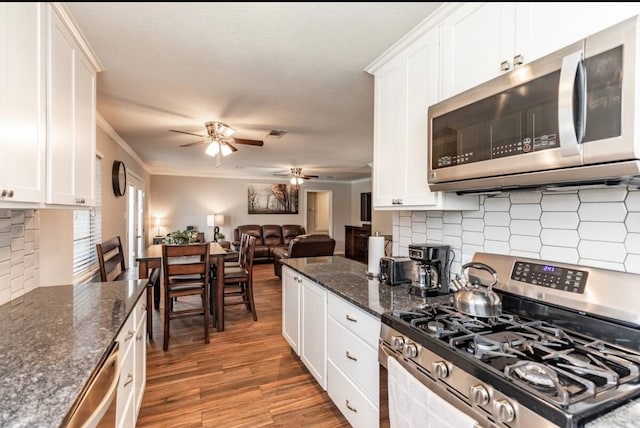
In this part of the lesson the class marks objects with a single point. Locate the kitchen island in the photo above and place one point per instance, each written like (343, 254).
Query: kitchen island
(347, 278)
(52, 341)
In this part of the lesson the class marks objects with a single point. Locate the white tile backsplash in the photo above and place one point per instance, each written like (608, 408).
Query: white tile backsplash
(19, 261)
(592, 227)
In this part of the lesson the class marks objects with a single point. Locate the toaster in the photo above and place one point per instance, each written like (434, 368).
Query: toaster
(396, 270)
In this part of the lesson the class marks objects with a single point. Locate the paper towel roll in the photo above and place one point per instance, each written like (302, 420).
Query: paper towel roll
(376, 250)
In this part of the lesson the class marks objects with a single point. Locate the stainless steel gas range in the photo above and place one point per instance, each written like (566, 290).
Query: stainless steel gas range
(564, 351)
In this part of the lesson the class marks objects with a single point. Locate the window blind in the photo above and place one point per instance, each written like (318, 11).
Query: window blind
(87, 228)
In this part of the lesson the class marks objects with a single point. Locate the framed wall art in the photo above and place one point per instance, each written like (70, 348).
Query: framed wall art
(272, 198)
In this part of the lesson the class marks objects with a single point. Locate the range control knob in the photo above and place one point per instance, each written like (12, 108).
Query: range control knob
(440, 369)
(505, 412)
(397, 343)
(410, 350)
(479, 395)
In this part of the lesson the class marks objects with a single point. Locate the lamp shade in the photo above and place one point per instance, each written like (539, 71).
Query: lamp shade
(219, 219)
(211, 220)
(213, 148)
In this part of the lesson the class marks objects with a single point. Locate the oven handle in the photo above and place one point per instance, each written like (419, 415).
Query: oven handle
(570, 127)
(384, 352)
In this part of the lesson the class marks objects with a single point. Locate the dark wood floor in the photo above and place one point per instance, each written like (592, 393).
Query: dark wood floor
(247, 376)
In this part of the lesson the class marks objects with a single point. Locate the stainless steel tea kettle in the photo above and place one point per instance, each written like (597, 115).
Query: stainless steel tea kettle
(475, 299)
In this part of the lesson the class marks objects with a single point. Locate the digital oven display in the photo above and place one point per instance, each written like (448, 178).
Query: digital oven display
(551, 276)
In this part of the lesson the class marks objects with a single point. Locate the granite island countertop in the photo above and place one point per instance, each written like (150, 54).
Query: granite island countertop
(347, 278)
(52, 340)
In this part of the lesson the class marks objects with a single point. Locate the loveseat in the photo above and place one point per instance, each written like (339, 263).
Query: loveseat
(268, 237)
(311, 245)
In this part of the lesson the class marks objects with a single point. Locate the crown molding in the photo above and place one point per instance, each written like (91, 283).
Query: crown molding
(106, 127)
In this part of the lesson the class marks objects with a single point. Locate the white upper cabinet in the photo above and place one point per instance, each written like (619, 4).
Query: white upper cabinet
(545, 27)
(22, 104)
(482, 40)
(405, 85)
(477, 45)
(71, 137)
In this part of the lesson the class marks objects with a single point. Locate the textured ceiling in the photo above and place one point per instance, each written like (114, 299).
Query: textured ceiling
(297, 67)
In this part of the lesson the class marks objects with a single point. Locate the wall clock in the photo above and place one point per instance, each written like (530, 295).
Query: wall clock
(119, 178)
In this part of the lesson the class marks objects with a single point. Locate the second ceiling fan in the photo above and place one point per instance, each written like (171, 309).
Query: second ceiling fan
(297, 177)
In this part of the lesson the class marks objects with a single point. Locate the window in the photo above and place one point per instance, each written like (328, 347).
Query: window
(87, 232)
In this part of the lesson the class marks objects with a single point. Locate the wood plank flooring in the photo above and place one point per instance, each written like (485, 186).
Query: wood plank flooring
(247, 376)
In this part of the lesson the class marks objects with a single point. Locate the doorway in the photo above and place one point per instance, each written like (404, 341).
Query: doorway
(135, 218)
(319, 211)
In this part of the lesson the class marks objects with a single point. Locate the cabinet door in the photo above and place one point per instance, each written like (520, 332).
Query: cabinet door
(140, 365)
(421, 65)
(313, 330)
(543, 28)
(389, 143)
(291, 308)
(71, 120)
(22, 102)
(477, 38)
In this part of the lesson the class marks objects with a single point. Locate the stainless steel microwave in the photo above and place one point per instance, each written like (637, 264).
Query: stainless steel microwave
(569, 118)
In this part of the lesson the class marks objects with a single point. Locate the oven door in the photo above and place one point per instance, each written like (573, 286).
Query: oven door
(413, 404)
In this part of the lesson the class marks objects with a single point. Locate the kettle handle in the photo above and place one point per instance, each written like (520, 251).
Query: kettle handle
(482, 266)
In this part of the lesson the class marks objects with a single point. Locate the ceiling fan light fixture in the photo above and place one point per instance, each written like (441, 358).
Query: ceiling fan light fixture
(213, 148)
(296, 180)
(226, 150)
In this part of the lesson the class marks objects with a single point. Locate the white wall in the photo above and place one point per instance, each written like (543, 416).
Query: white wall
(186, 201)
(595, 227)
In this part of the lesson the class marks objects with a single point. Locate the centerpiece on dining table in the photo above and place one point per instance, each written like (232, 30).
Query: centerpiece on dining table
(181, 237)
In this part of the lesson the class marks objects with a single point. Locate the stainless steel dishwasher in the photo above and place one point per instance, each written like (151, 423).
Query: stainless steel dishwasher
(97, 407)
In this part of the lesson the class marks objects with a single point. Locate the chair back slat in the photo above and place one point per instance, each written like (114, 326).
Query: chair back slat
(110, 256)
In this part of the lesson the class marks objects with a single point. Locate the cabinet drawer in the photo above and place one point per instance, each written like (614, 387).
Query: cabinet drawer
(353, 356)
(354, 319)
(127, 334)
(125, 386)
(358, 410)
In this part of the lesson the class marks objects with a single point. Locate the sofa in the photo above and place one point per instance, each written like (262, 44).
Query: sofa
(311, 245)
(268, 237)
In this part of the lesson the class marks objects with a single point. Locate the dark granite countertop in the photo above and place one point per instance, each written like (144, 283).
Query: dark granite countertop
(347, 278)
(52, 340)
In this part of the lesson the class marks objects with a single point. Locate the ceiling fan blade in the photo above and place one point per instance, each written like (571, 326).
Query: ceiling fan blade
(249, 142)
(188, 133)
(282, 175)
(233, 149)
(309, 176)
(192, 144)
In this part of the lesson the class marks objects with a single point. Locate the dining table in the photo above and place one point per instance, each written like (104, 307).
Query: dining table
(151, 257)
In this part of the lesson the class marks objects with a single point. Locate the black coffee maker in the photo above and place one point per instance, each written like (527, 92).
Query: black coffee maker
(431, 276)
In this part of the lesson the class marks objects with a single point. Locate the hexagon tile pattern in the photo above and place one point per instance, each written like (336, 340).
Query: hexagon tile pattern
(591, 227)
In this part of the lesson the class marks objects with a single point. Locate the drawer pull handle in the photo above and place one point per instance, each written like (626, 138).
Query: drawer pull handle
(129, 380)
(129, 336)
(350, 407)
(351, 357)
(349, 318)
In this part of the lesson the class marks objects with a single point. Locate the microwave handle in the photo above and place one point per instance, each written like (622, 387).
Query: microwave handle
(570, 127)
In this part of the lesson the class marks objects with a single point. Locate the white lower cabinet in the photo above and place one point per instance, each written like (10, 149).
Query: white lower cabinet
(313, 329)
(132, 367)
(291, 308)
(337, 342)
(353, 378)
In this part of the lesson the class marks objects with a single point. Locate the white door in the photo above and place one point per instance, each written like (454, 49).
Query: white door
(135, 218)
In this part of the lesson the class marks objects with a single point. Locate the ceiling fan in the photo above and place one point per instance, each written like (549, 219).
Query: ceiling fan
(220, 139)
(297, 177)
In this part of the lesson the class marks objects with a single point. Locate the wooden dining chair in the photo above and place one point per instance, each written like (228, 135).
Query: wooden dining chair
(186, 273)
(111, 261)
(239, 283)
(229, 265)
